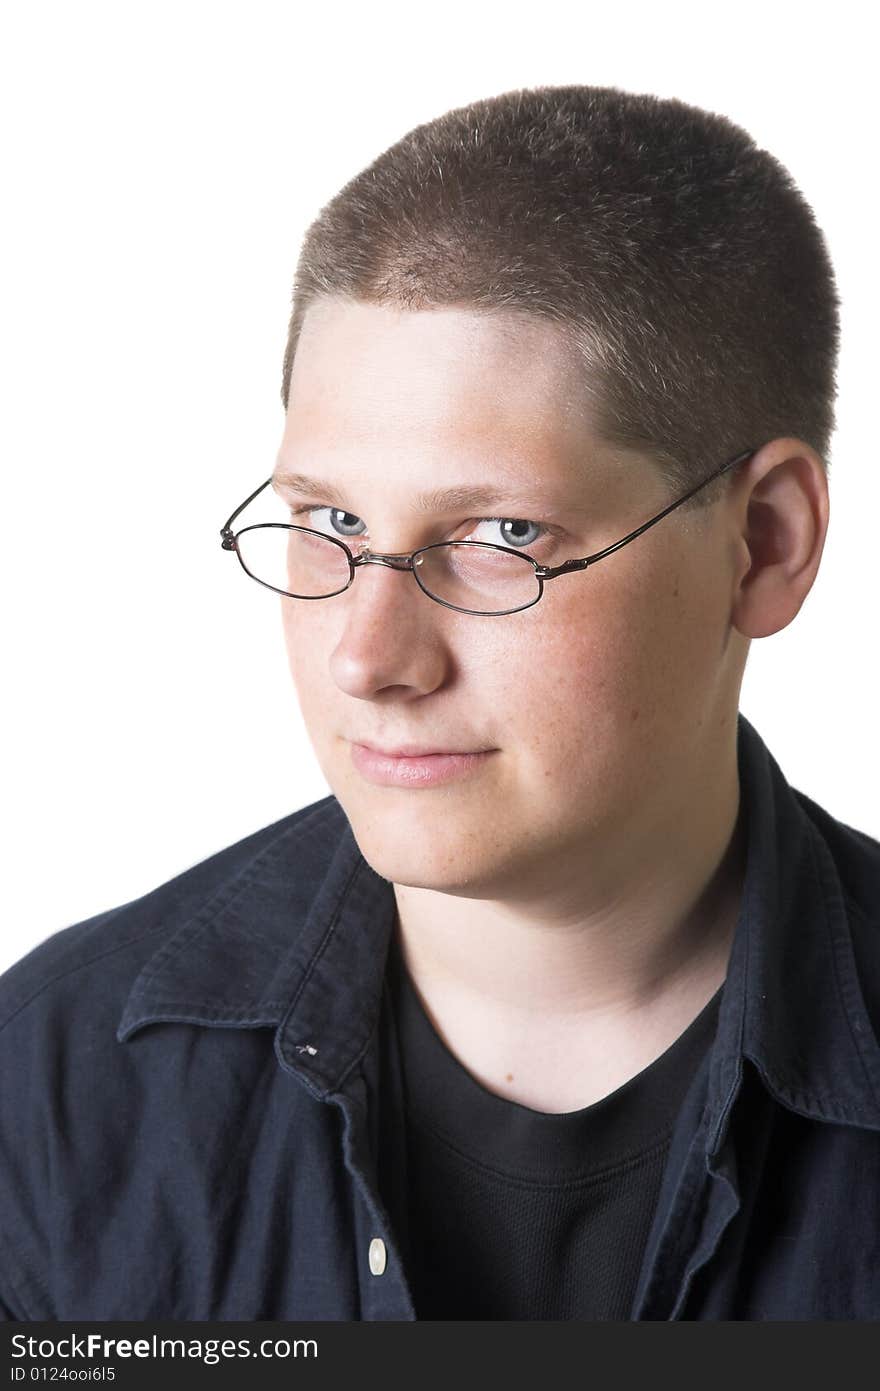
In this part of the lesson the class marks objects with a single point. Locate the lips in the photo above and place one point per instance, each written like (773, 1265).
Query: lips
(415, 770)
(414, 750)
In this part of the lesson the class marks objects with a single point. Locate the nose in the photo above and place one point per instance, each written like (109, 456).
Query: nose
(391, 637)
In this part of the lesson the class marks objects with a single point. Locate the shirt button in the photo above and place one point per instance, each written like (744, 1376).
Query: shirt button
(377, 1256)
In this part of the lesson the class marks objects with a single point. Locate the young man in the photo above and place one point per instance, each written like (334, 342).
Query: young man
(564, 1004)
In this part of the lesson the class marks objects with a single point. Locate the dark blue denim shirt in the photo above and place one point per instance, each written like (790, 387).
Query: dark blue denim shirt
(192, 1084)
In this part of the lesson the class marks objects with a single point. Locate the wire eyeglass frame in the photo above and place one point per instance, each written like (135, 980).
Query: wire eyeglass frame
(403, 561)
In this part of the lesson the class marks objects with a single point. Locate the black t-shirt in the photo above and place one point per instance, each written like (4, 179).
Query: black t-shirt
(508, 1213)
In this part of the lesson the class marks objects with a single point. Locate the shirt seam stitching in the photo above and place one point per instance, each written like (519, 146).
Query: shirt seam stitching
(78, 966)
(819, 875)
(659, 1142)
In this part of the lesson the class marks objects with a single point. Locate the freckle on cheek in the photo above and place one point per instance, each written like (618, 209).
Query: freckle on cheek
(634, 715)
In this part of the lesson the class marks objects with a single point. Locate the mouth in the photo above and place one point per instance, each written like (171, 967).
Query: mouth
(417, 751)
(419, 769)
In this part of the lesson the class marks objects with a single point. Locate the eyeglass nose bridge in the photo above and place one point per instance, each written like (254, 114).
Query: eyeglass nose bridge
(394, 561)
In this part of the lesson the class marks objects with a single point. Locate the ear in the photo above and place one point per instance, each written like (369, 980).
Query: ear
(779, 508)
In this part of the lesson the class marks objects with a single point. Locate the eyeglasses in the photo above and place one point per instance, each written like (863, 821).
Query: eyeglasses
(469, 576)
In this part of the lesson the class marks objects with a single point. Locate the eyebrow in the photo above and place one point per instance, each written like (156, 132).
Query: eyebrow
(448, 499)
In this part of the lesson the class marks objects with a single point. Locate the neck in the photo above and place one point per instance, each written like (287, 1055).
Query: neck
(646, 937)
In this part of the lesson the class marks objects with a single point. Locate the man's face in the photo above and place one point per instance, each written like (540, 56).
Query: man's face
(597, 701)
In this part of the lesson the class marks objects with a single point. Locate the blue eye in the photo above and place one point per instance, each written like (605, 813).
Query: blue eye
(518, 536)
(340, 521)
(515, 533)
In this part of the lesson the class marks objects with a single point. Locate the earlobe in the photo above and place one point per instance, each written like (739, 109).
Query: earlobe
(782, 512)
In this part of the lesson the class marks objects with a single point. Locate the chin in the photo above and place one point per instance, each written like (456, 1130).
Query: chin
(410, 848)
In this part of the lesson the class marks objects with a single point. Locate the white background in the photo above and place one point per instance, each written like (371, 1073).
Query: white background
(161, 164)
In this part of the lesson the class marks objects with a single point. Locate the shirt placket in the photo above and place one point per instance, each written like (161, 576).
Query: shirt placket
(384, 1291)
(699, 1197)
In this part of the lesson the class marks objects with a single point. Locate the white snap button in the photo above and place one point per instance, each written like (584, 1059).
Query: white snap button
(377, 1256)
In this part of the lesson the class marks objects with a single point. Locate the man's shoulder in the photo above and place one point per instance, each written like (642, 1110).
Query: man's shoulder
(856, 858)
(103, 953)
(848, 870)
(92, 1127)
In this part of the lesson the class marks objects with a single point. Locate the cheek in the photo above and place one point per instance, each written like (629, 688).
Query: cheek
(566, 700)
(304, 638)
(582, 689)
(612, 676)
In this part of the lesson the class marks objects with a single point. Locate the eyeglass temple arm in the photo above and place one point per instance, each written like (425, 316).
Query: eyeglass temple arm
(226, 529)
(228, 543)
(570, 565)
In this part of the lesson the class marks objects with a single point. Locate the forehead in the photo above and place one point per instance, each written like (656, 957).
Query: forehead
(430, 379)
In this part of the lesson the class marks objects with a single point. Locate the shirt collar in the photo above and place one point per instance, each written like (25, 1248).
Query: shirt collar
(297, 939)
(792, 1002)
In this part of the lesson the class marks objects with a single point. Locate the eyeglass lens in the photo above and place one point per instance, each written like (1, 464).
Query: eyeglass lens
(306, 565)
